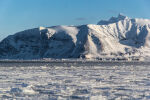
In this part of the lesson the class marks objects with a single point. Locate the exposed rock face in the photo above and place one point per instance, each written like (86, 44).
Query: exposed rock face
(118, 37)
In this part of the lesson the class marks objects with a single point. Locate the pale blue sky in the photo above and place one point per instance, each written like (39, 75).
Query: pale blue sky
(18, 15)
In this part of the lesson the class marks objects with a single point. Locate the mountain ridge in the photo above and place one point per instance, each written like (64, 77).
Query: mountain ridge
(118, 38)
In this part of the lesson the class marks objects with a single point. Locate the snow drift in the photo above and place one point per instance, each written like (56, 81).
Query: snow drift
(118, 38)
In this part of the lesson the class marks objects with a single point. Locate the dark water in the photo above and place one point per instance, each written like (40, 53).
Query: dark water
(75, 80)
(69, 63)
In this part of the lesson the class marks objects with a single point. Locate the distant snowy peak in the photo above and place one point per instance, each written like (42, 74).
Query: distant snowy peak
(113, 20)
(121, 17)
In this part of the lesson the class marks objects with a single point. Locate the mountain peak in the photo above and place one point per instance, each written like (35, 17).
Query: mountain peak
(113, 19)
(122, 16)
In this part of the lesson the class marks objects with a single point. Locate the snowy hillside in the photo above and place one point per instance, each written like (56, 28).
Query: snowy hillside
(118, 38)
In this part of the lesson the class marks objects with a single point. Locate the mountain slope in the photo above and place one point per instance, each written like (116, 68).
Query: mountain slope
(120, 37)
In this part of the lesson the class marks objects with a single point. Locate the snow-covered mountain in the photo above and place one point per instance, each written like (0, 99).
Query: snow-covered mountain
(118, 38)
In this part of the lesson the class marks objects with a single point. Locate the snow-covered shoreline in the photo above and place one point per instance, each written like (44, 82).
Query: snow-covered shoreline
(69, 60)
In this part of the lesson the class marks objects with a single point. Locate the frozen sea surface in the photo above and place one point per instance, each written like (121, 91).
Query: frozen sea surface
(75, 81)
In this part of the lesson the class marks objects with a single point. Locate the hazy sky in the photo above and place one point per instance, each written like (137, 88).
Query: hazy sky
(18, 15)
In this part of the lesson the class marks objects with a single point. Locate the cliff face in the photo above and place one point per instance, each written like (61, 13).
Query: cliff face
(118, 37)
